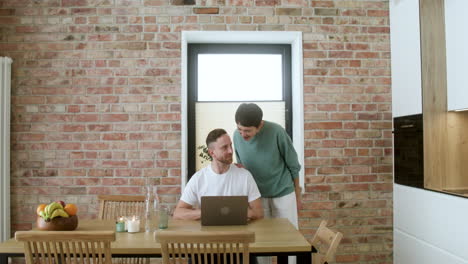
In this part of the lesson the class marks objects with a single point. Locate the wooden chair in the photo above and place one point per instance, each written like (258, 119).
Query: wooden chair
(65, 247)
(114, 206)
(326, 242)
(205, 247)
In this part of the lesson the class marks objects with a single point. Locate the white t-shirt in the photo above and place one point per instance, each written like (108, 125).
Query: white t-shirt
(235, 182)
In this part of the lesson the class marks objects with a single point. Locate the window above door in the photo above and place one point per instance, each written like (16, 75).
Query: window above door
(221, 77)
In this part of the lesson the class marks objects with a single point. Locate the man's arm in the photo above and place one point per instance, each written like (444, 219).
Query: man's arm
(297, 190)
(255, 210)
(289, 154)
(185, 211)
(292, 162)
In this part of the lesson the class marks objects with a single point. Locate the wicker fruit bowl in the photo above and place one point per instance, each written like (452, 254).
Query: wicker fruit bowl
(58, 223)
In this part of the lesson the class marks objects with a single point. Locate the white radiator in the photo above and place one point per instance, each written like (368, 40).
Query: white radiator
(5, 88)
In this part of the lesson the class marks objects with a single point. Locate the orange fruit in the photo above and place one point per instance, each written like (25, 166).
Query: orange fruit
(71, 209)
(40, 208)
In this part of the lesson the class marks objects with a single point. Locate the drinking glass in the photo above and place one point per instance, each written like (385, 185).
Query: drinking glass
(163, 218)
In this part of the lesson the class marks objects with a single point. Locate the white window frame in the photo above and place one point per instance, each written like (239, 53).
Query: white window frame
(251, 37)
(5, 98)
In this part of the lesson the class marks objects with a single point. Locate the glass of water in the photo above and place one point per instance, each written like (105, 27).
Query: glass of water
(163, 214)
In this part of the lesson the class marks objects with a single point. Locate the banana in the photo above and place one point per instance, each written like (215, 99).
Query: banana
(43, 215)
(58, 212)
(49, 209)
(46, 208)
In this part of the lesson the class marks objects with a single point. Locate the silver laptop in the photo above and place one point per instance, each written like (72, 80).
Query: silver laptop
(224, 210)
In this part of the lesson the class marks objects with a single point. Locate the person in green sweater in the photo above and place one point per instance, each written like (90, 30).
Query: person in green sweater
(266, 150)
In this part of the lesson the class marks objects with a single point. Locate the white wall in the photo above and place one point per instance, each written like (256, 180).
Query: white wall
(429, 227)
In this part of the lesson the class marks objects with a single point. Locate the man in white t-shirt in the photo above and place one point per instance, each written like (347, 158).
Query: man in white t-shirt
(220, 178)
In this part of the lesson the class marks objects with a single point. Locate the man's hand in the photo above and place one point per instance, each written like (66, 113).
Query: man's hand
(298, 198)
(255, 210)
(238, 165)
(298, 191)
(186, 211)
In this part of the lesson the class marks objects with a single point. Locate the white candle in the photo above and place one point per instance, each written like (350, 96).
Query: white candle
(133, 225)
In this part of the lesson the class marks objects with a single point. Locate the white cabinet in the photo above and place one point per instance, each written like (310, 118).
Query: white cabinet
(429, 227)
(406, 57)
(456, 37)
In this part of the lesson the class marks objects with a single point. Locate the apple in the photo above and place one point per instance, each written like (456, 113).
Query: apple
(61, 202)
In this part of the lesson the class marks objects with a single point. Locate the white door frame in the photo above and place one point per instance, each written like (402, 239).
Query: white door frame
(251, 37)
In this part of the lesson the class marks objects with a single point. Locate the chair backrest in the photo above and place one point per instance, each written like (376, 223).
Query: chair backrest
(65, 247)
(326, 242)
(113, 206)
(205, 247)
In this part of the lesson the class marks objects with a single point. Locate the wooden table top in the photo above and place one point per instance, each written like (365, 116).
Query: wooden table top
(271, 235)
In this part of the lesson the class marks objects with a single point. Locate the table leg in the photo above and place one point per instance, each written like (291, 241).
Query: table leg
(3, 259)
(304, 258)
(282, 259)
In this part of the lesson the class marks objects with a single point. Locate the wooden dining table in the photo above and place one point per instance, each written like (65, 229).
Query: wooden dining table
(273, 237)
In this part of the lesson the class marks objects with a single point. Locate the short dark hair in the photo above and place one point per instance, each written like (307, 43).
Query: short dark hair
(214, 135)
(249, 115)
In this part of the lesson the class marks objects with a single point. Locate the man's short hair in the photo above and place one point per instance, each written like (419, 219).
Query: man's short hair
(249, 115)
(214, 135)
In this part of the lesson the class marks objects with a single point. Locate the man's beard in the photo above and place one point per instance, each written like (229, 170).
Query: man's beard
(226, 161)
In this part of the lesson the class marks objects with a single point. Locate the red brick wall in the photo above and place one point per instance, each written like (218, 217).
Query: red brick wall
(96, 104)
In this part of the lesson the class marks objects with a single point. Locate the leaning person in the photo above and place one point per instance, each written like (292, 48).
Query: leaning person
(266, 150)
(220, 178)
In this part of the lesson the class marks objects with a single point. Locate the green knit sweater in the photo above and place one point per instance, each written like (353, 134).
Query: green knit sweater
(271, 158)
